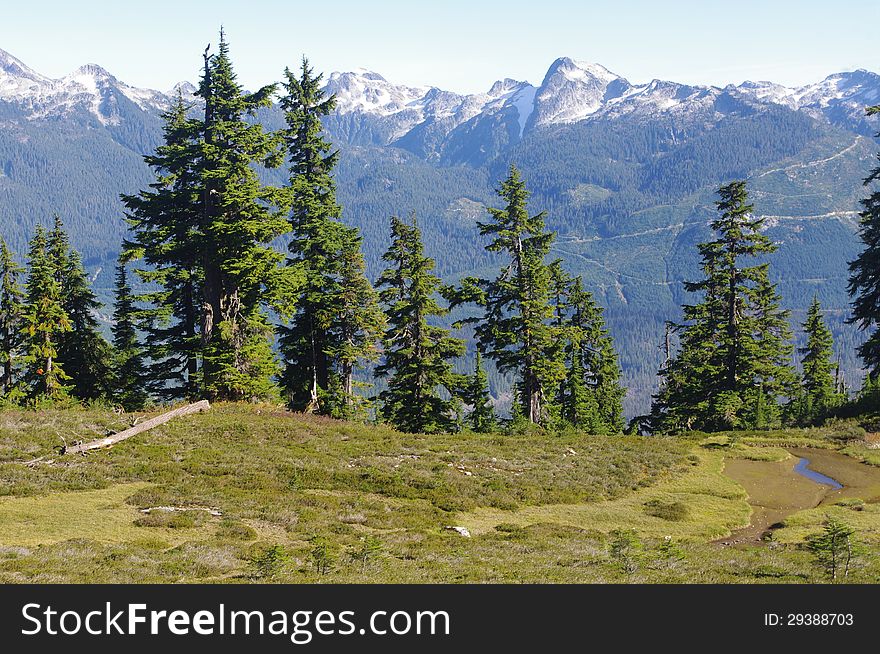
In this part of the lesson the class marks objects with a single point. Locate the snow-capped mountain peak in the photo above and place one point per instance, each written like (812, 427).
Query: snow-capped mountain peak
(368, 92)
(573, 90)
(10, 66)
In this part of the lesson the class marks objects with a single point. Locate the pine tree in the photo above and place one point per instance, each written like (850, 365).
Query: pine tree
(208, 226)
(590, 397)
(242, 272)
(355, 331)
(516, 329)
(422, 385)
(818, 390)
(130, 372)
(475, 394)
(12, 310)
(864, 280)
(732, 365)
(337, 321)
(167, 236)
(45, 322)
(83, 351)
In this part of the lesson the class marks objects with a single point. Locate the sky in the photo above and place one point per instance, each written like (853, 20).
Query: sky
(459, 45)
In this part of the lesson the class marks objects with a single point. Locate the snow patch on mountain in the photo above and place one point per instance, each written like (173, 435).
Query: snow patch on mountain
(89, 86)
(571, 91)
(524, 101)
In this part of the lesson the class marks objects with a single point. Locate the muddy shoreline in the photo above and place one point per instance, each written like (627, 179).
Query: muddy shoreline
(777, 489)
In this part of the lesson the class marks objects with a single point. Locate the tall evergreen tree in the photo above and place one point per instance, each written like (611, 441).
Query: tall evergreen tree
(167, 235)
(356, 329)
(516, 330)
(422, 385)
(45, 322)
(83, 351)
(130, 373)
(818, 390)
(475, 394)
(732, 366)
(12, 311)
(590, 397)
(242, 272)
(864, 280)
(208, 226)
(337, 320)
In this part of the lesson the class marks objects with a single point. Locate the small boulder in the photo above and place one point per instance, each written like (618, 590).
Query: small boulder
(462, 531)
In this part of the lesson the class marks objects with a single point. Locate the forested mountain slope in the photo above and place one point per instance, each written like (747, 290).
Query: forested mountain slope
(627, 173)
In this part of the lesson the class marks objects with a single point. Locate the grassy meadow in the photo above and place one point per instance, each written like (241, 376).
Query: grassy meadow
(306, 499)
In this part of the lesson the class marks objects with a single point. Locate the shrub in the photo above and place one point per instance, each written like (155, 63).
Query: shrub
(626, 550)
(270, 561)
(672, 511)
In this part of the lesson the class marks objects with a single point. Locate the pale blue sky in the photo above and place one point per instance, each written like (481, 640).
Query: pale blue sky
(460, 45)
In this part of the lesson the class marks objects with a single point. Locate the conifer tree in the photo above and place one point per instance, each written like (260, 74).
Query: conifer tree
(166, 235)
(773, 378)
(818, 389)
(422, 385)
(732, 364)
(45, 322)
(242, 272)
(864, 280)
(475, 394)
(208, 227)
(516, 330)
(355, 332)
(337, 320)
(83, 351)
(12, 310)
(590, 398)
(130, 372)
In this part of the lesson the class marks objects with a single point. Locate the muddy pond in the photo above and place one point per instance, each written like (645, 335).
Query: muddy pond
(809, 478)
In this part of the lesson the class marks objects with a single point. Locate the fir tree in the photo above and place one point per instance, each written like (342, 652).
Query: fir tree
(45, 322)
(356, 329)
(516, 330)
(475, 394)
(12, 310)
(818, 390)
(590, 397)
(166, 234)
(208, 228)
(422, 385)
(732, 364)
(242, 272)
(770, 352)
(337, 320)
(83, 351)
(130, 372)
(864, 280)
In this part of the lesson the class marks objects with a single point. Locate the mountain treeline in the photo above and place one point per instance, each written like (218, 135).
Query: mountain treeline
(218, 311)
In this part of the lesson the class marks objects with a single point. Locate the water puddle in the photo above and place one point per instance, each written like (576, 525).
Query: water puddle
(802, 468)
(809, 478)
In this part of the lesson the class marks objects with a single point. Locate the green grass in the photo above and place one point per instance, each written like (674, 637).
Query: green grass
(713, 503)
(541, 508)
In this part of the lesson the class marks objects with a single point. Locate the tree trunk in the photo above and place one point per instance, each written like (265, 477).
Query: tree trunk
(197, 407)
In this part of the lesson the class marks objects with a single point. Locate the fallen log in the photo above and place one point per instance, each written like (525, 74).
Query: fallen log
(197, 407)
(217, 513)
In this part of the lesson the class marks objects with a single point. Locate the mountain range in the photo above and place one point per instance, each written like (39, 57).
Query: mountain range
(626, 172)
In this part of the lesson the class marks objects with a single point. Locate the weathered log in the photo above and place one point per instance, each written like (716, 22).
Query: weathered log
(196, 407)
(217, 513)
